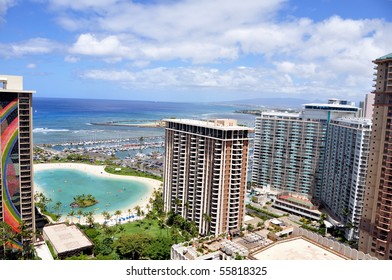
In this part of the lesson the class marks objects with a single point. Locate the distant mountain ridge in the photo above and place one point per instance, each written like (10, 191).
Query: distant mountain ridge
(273, 102)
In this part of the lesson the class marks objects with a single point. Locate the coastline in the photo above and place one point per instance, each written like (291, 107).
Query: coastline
(99, 171)
(147, 124)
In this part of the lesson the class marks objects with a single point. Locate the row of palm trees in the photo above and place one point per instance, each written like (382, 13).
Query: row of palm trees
(106, 215)
(154, 204)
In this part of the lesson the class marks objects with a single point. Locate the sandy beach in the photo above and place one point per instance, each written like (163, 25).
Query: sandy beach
(99, 171)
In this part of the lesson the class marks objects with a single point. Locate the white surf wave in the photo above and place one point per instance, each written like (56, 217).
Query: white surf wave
(46, 130)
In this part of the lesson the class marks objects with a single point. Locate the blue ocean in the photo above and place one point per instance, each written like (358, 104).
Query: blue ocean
(61, 120)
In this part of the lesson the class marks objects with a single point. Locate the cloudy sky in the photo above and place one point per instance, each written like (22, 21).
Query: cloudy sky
(195, 50)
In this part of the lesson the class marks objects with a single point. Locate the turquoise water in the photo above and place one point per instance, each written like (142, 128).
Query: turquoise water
(112, 193)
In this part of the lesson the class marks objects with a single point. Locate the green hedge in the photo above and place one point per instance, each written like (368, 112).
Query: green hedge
(263, 211)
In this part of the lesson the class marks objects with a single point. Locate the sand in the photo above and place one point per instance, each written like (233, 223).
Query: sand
(99, 171)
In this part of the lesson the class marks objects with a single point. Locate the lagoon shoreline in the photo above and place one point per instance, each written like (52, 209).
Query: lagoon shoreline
(99, 171)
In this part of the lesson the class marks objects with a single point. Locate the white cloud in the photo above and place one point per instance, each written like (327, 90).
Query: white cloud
(89, 44)
(240, 79)
(116, 47)
(71, 59)
(296, 54)
(5, 5)
(183, 77)
(83, 4)
(32, 46)
(31, 66)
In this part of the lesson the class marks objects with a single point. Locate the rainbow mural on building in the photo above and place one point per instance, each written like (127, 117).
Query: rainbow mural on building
(10, 164)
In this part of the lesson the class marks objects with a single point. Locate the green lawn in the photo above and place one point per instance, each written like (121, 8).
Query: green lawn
(143, 227)
(130, 172)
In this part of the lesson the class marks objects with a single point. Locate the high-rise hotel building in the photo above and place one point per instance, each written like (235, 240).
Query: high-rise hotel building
(376, 223)
(205, 173)
(320, 154)
(16, 184)
(289, 148)
(344, 174)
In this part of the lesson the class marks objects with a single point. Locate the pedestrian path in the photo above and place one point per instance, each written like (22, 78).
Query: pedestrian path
(43, 251)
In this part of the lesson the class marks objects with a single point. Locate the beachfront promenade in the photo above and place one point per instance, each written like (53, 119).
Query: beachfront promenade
(99, 171)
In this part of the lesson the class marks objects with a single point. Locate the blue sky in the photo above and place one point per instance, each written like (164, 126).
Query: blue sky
(195, 50)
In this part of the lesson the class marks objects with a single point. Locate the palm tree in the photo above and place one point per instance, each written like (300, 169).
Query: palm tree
(9, 235)
(117, 213)
(207, 219)
(177, 203)
(186, 205)
(25, 234)
(6, 236)
(106, 215)
(57, 208)
(71, 214)
(129, 215)
(79, 213)
(85, 214)
(42, 200)
(138, 210)
(90, 219)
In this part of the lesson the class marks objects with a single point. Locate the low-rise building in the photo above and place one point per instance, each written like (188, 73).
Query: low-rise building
(67, 240)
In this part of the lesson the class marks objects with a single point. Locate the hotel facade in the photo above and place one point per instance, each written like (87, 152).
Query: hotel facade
(289, 148)
(319, 154)
(16, 177)
(344, 174)
(205, 173)
(376, 223)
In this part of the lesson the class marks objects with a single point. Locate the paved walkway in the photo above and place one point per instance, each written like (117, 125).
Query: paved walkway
(43, 252)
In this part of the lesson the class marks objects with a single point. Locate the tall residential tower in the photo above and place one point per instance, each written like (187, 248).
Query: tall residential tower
(319, 155)
(205, 173)
(16, 184)
(376, 223)
(344, 173)
(289, 148)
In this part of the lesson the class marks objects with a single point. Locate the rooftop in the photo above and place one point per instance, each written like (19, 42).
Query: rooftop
(328, 105)
(66, 238)
(387, 56)
(355, 120)
(9, 83)
(222, 124)
(297, 249)
(281, 114)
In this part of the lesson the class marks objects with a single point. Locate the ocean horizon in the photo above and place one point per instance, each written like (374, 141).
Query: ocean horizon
(67, 120)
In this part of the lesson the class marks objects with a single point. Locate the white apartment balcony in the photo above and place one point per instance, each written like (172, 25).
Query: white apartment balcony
(214, 209)
(235, 184)
(234, 203)
(233, 223)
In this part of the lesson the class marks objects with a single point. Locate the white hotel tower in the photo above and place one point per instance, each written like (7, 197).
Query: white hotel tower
(205, 173)
(345, 169)
(289, 148)
(320, 153)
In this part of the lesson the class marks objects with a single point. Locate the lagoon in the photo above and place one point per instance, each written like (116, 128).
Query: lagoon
(61, 182)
